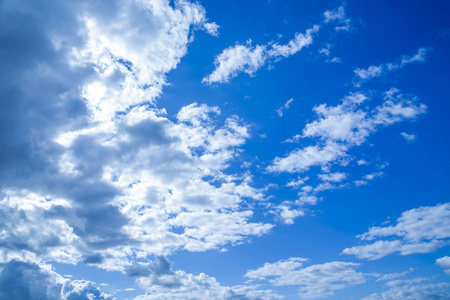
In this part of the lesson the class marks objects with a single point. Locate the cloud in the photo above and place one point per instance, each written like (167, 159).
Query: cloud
(420, 230)
(376, 71)
(161, 282)
(333, 177)
(333, 15)
(314, 281)
(212, 28)
(236, 59)
(391, 276)
(338, 128)
(24, 280)
(408, 137)
(284, 107)
(417, 288)
(337, 15)
(335, 131)
(109, 177)
(248, 59)
(368, 177)
(444, 263)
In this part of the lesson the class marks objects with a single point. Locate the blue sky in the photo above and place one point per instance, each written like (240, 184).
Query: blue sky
(154, 149)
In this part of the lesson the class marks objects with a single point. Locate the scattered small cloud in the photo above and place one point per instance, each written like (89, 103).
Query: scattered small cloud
(285, 107)
(408, 137)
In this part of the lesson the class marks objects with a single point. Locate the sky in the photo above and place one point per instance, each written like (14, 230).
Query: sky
(258, 149)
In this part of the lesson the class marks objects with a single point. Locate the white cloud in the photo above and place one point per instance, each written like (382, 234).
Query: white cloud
(338, 15)
(419, 57)
(284, 107)
(444, 263)
(417, 288)
(333, 15)
(371, 72)
(391, 276)
(212, 28)
(421, 230)
(333, 177)
(237, 59)
(25, 280)
(296, 183)
(368, 177)
(109, 178)
(161, 282)
(376, 71)
(248, 59)
(408, 137)
(302, 159)
(314, 281)
(338, 128)
(294, 45)
(334, 132)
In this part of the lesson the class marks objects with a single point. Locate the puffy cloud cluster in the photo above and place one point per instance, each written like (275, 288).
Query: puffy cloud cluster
(248, 59)
(338, 128)
(161, 282)
(420, 230)
(314, 281)
(24, 280)
(91, 170)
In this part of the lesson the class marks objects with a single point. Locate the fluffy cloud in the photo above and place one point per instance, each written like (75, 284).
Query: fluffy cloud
(417, 288)
(341, 127)
(23, 280)
(444, 263)
(314, 281)
(376, 71)
(92, 171)
(420, 230)
(248, 59)
(161, 282)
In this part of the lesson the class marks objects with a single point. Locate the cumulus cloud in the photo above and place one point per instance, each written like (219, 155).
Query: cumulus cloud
(417, 288)
(376, 71)
(161, 282)
(212, 28)
(24, 280)
(338, 128)
(420, 230)
(248, 59)
(92, 171)
(444, 263)
(314, 281)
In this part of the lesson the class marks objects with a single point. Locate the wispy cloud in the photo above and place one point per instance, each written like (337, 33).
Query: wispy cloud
(285, 107)
(376, 71)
